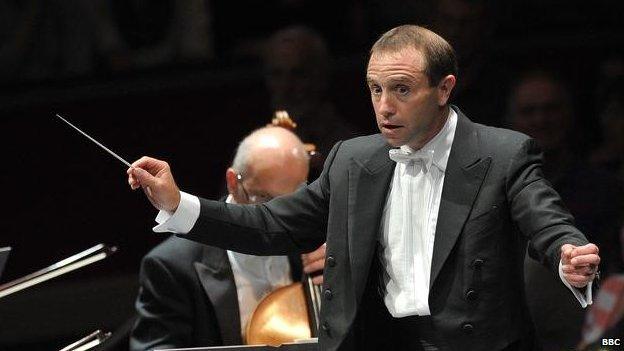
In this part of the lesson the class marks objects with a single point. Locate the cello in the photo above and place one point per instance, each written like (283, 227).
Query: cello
(291, 312)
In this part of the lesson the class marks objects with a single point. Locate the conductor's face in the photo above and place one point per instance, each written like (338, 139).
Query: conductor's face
(408, 110)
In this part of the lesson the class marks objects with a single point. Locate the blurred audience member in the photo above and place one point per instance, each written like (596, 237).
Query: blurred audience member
(137, 34)
(469, 26)
(540, 106)
(42, 40)
(610, 154)
(15, 35)
(297, 73)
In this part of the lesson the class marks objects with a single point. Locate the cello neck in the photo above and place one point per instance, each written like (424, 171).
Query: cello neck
(313, 301)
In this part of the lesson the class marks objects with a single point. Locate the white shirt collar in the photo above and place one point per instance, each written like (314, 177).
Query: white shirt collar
(439, 148)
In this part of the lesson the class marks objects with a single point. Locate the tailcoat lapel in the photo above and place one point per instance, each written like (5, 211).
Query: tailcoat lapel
(368, 186)
(465, 173)
(217, 279)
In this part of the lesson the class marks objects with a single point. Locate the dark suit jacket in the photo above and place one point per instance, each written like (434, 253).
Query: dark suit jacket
(494, 198)
(188, 297)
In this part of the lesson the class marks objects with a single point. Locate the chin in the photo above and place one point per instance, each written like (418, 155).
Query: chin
(393, 141)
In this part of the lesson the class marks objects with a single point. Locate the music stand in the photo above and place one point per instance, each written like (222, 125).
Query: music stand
(310, 345)
(79, 260)
(89, 342)
(4, 255)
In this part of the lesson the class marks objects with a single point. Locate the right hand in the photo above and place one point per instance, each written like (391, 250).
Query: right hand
(314, 262)
(155, 178)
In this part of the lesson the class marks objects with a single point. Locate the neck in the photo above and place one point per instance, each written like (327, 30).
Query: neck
(435, 128)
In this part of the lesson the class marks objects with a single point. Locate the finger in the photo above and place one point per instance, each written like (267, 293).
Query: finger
(585, 270)
(309, 258)
(318, 280)
(578, 280)
(144, 178)
(132, 181)
(566, 252)
(143, 161)
(317, 254)
(585, 250)
(314, 266)
(150, 164)
(585, 260)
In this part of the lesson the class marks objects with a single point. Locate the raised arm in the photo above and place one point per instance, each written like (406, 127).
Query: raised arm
(287, 224)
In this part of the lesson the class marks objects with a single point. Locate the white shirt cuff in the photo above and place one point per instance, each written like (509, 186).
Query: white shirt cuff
(183, 219)
(585, 299)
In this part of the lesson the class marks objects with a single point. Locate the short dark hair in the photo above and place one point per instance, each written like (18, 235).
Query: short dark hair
(440, 59)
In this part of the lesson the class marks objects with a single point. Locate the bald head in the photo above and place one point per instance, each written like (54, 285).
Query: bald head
(270, 162)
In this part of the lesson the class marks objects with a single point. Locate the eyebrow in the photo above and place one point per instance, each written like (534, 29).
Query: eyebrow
(370, 80)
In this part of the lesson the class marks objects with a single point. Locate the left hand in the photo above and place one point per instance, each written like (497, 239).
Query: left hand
(314, 262)
(579, 264)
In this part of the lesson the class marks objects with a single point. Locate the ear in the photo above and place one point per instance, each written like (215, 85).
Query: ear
(444, 89)
(231, 181)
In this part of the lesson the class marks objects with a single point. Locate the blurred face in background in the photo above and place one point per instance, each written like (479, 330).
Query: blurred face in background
(538, 108)
(296, 71)
(462, 23)
(612, 119)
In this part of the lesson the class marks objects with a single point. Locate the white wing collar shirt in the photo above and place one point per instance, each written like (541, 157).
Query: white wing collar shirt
(409, 221)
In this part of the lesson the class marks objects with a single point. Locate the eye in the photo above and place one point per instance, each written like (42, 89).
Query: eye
(375, 89)
(402, 89)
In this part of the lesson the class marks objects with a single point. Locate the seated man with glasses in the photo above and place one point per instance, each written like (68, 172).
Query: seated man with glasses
(197, 295)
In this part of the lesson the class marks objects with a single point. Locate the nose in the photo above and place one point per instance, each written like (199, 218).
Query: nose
(385, 105)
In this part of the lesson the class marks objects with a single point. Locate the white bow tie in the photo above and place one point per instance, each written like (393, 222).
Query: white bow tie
(404, 156)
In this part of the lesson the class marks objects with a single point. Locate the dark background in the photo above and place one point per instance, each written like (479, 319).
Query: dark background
(61, 194)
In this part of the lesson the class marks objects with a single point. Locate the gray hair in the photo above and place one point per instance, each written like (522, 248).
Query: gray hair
(241, 157)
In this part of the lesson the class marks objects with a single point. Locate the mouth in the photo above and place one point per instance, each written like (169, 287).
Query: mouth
(390, 127)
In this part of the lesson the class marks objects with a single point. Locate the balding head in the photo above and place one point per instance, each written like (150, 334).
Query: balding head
(270, 162)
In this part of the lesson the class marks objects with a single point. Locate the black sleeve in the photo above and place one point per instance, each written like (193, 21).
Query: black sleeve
(537, 209)
(163, 307)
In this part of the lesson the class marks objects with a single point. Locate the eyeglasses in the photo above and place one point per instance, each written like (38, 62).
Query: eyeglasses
(251, 197)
